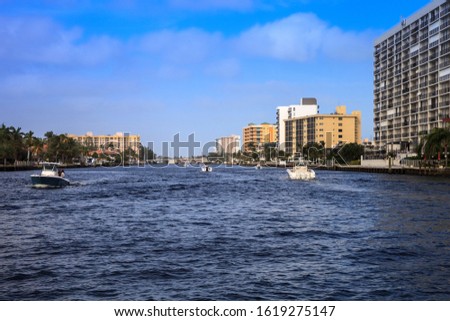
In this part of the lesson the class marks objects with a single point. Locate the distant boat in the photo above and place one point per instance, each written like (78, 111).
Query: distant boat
(206, 168)
(50, 177)
(258, 166)
(300, 171)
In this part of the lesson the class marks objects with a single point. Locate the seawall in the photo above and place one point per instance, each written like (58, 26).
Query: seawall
(424, 171)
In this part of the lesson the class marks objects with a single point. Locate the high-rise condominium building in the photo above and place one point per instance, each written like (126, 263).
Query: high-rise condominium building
(328, 130)
(412, 78)
(307, 106)
(258, 135)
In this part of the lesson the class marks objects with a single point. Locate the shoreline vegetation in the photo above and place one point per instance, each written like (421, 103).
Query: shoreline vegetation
(397, 170)
(23, 151)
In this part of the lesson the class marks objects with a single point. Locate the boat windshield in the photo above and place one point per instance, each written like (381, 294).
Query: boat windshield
(50, 167)
(300, 162)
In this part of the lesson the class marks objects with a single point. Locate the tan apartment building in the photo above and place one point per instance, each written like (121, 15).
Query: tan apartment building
(328, 130)
(119, 141)
(258, 135)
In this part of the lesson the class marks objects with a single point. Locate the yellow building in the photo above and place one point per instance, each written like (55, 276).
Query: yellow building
(258, 135)
(119, 141)
(328, 130)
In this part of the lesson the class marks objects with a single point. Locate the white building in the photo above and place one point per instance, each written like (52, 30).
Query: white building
(307, 107)
(412, 78)
(228, 145)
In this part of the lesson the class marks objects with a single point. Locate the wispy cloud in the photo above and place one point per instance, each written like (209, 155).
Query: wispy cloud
(300, 37)
(48, 64)
(40, 40)
(303, 37)
(186, 46)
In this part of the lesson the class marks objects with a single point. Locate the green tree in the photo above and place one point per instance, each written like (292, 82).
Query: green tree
(5, 145)
(437, 142)
(146, 153)
(270, 151)
(313, 151)
(61, 147)
(351, 152)
(37, 148)
(16, 141)
(29, 143)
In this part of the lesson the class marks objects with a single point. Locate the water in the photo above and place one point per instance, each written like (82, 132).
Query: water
(233, 234)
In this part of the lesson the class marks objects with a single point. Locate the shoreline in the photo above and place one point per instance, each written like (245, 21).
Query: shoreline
(440, 172)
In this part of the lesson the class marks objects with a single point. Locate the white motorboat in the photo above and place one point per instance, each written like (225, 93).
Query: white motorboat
(206, 168)
(300, 171)
(50, 176)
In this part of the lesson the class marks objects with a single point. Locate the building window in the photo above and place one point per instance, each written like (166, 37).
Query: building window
(340, 130)
(340, 136)
(340, 124)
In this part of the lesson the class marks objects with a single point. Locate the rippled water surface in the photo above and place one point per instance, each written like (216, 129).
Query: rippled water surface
(233, 234)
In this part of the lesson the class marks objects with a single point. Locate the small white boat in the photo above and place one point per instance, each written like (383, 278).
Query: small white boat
(206, 168)
(258, 166)
(300, 171)
(50, 176)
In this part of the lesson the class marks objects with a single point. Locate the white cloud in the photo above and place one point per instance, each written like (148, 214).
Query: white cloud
(187, 46)
(38, 40)
(303, 37)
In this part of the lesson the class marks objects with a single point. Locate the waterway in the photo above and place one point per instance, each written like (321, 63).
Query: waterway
(233, 234)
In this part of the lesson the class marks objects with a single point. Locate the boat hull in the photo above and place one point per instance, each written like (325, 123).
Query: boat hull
(39, 181)
(304, 175)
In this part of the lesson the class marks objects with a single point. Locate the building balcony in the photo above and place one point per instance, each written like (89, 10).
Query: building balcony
(445, 50)
(445, 25)
(444, 38)
(444, 90)
(444, 12)
(444, 103)
(444, 78)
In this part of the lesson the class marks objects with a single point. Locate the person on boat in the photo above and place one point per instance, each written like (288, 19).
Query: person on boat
(59, 172)
(62, 174)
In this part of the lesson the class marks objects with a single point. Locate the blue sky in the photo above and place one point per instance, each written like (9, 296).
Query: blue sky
(162, 67)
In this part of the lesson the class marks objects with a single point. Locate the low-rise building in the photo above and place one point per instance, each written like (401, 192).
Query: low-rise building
(307, 107)
(328, 130)
(119, 141)
(258, 135)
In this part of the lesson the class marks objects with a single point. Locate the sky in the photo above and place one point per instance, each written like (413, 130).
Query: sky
(206, 67)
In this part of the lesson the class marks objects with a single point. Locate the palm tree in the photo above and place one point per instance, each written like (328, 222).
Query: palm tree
(29, 140)
(5, 148)
(16, 139)
(37, 147)
(437, 142)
